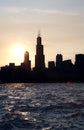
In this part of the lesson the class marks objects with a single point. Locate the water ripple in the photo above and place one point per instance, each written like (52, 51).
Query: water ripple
(42, 106)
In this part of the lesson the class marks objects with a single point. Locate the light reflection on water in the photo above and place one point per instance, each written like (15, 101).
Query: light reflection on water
(42, 106)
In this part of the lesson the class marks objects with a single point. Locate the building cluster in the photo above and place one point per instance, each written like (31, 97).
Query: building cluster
(59, 71)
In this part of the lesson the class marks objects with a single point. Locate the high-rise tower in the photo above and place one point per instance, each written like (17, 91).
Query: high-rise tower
(39, 57)
(59, 60)
(27, 62)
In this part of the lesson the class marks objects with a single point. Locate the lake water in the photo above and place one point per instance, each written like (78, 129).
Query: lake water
(53, 106)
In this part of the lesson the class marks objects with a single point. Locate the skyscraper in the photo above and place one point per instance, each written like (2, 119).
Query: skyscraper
(59, 60)
(79, 62)
(39, 57)
(27, 62)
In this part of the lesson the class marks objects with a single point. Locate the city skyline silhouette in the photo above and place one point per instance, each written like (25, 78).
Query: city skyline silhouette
(42, 64)
(40, 50)
(61, 23)
(57, 71)
(57, 55)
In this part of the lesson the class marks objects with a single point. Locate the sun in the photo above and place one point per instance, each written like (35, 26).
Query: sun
(17, 53)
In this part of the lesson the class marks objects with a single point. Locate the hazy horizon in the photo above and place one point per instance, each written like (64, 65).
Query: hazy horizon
(61, 23)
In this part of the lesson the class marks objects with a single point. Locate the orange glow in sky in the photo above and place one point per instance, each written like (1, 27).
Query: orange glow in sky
(61, 23)
(17, 52)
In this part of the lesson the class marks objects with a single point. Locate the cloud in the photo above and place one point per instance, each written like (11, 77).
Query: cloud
(23, 10)
(59, 12)
(12, 10)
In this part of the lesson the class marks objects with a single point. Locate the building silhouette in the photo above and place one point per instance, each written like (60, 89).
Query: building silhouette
(67, 65)
(79, 64)
(27, 62)
(59, 60)
(79, 60)
(51, 65)
(39, 57)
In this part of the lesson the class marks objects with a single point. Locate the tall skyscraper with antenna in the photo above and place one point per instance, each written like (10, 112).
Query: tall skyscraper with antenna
(39, 57)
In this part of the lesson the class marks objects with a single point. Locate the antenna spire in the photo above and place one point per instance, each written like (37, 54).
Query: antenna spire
(39, 33)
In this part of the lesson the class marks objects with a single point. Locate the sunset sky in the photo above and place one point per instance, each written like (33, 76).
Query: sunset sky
(61, 23)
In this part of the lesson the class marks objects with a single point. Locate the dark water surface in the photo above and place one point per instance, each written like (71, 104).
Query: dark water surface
(42, 106)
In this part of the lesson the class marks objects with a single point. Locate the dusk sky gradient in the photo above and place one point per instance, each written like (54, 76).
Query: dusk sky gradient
(61, 23)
